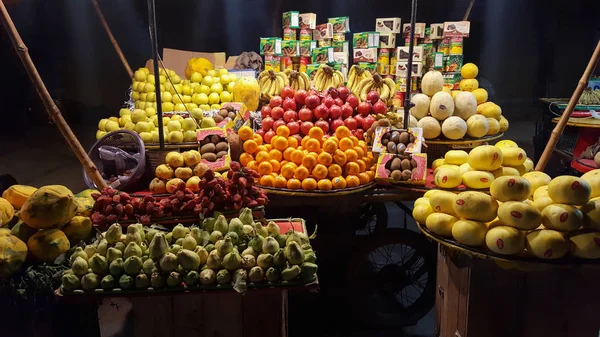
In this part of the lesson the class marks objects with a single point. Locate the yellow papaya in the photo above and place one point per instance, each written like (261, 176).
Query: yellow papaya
(46, 245)
(85, 206)
(7, 211)
(13, 253)
(22, 231)
(18, 194)
(86, 193)
(79, 228)
(50, 206)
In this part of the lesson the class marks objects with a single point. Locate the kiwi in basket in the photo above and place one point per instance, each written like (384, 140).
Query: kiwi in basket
(396, 141)
(213, 147)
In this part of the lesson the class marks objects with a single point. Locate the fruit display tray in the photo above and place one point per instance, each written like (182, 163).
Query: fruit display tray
(317, 193)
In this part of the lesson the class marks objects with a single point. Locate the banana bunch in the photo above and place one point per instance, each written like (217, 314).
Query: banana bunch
(385, 87)
(590, 97)
(355, 75)
(326, 77)
(298, 80)
(271, 83)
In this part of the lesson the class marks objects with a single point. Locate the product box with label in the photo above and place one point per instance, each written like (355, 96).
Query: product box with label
(272, 62)
(387, 40)
(388, 25)
(306, 34)
(322, 55)
(452, 80)
(392, 169)
(383, 134)
(453, 63)
(340, 57)
(341, 46)
(340, 24)
(308, 20)
(383, 57)
(211, 140)
(418, 53)
(270, 46)
(438, 61)
(365, 40)
(402, 66)
(289, 48)
(306, 47)
(311, 70)
(289, 34)
(325, 43)
(290, 20)
(419, 30)
(436, 31)
(339, 37)
(364, 55)
(368, 66)
(286, 63)
(457, 28)
(383, 69)
(323, 31)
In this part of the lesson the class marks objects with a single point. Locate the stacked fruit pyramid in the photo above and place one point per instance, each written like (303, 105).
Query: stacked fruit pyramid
(458, 113)
(237, 253)
(530, 215)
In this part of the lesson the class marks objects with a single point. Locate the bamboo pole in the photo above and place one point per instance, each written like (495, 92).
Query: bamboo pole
(560, 126)
(468, 12)
(112, 39)
(51, 108)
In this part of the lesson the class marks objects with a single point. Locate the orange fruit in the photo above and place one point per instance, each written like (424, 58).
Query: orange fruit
(342, 132)
(245, 158)
(294, 184)
(303, 141)
(292, 142)
(354, 140)
(257, 138)
(267, 180)
(338, 182)
(253, 165)
(262, 156)
(292, 164)
(334, 170)
(364, 178)
(330, 146)
(316, 133)
(309, 161)
(296, 156)
(275, 164)
(262, 148)
(368, 161)
(274, 174)
(309, 184)
(371, 174)
(268, 147)
(280, 143)
(301, 173)
(324, 184)
(250, 146)
(287, 171)
(320, 171)
(283, 131)
(352, 181)
(265, 168)
(362, 165)
(245, 133)
(335, 139)
(359, 151)
(276, 155)
(351, 155)
(287, 153)
(351, 168)
(363, 145)
(312, 145)
(280, 182)
(340, 157)
(345, 144)
(325, 158)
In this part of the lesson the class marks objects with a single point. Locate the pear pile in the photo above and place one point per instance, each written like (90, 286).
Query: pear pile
(235, 254)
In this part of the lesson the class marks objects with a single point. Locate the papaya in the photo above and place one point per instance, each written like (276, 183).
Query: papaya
(13, 253)
(46, 245)
(7, 211)
(86, 193)
(18, 194)
(85, 206)
(22, 231)
(78, 229)
(50, 206)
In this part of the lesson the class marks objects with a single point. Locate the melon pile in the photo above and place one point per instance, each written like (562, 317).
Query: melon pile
(530, 215)
(459, 113)
(479, 168)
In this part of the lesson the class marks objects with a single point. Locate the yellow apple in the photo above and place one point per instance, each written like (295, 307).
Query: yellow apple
(150, 97)
(211, 72)
(196, 77)
(140, 105)
(102, 124)
(213, 98)
(185, 82)
(138, 115)
(223, 71)
(162, 71)
(146, 137)
(145, 69)
(225, 97)
(191, 106)
(230, 86)
(100, 134)
(186, 90)
(225, 79)
(149, 87)
(217, 87)
(124, 120)
(204, 107)
(174, 125)
(166, 96)
(112, 126)
(135, 95)
(233, 77)
(188, 124)
(162, 79)
(124, 111)
(207, 80)
(187, 98)
(204, 89)
(197, 113)
(143, 96)
(190, 136)
(176, 117)
(215, 106)
(194, 85)
(166, 121)
(130, 126)
(175, 79)
(171, 72)
(177, 99)
(150, 112)
(180, 107)
(175, 137)
(143, 127)
(155, 136)
(140, 75)
(151, 79)
(167, 107)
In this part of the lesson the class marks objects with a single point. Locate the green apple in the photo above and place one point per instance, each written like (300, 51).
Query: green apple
(124, 120)
(217, 87)
(191, 106)
(204, 107)
(196, 77)
(207, 80)
(225, 97)
(124, 111)
(213, 98)
(135, 95)
(155, 136)
(140, 75)
(100, 134)
(190, 136)
(166, 96)
(168, 107)
(130, 126)
(215, 106)
(208, 122)
(197, 113)
(175, 137)
(138, 115)
(188, 124)
(223, 71)
(212, 73)
(175, 79)
(150, 97)
(230, 86)
(176, 117)
(102, 124)
(174, 125)
(187, 98)
(146, 137)
(143, 127)
(180, 107)
(225, 79)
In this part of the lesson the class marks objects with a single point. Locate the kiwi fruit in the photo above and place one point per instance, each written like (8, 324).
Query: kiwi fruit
(413, 163)
(386, 136)
(384, 141)
(406, 174)
(395, 137)
(209, 156)
(215, 139)
(396, 175)
(400, 148)
(221, 146)
(221, 154)
(396, 164)
(210, 147)
(218, 118)
(231, 115)
(224, 113)
(391, 147)
(205, 141)
(405, 164)
(404, 138)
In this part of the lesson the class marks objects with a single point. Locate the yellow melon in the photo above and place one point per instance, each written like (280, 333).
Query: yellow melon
(506, 143)
(79, 228)
(469, 232)
(586, 245)
(541, 192)
(513, 156)
(569, 190)
(475, 206)
(593, 178)
(510, 188)
(505, 240)
(485, 158)
(421, 212)
(505, 171)
(46, 245)
(447, 178)
(442, 201)
(591, 214)
(445, 166)
(456, 157)
(440, 223)
(437, 163)
(562, 217)
(7, 211)
(13, 253)
(541, 203)
(546, 244)
(481, 95)
(429, 193)
(537, 179)
(519, 215)
(477, 179)
(18, 194)
(529, 165)
(246, 90)
(469, 84)
(503, 123)
(464, 168)
(482, 106)
(494, 223)
(477, 126)
(422, 201)
(492, 111)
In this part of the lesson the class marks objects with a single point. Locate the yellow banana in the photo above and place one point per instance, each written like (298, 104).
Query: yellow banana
(306, 81)
(391, 85)
(385, 92)
(365, 90)
(359, 86)
(351, 78)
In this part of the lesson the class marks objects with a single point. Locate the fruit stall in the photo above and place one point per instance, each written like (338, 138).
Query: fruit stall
(219, 180)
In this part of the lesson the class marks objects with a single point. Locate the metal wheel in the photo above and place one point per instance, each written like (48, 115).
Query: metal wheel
(373, 218)
(391, 280)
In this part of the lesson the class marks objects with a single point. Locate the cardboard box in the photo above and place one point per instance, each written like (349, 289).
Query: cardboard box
(387, 40)
(452, 80)
(414, 147)
(418, 53)
(457, 28)
(272, 62)
(456, 45)
(340, 24)
(438, 61)
(453, 63)
(340, 57)
(388, 25)
(306, 47)
(419, 30)
(241, 115)
(402, 66)
(368, 66)
(290, 19)
(341, 47)
(222, 163)
(383, 57)
(322, 55)
(365, 40)
(339, 37)
(436, 31)
(323, 31)
(289, 48)
(418, 175)
(289, 34)
(306, 34)
(325, 43)
(311, 70)
(364, 55)
(308, 20)
(270, 46)
(383, 69)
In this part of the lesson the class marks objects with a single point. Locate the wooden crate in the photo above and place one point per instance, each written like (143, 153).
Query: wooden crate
(477, 298)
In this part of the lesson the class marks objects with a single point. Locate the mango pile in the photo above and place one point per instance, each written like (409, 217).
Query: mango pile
(239, 252)
(530, 215)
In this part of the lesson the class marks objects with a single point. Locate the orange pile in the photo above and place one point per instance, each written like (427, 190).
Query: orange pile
(317, 163)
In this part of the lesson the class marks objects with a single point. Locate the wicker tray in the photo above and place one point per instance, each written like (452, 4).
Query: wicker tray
(317, 193)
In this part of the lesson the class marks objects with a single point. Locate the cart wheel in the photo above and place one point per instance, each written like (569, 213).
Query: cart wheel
(391, 279)
(373, 218)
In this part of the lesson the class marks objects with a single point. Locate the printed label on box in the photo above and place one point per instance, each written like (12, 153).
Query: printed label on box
(289, 34)
(365, 40)
(365, 55)
(419, 30)
(340, 24)
(308, 20)
(387, 40)
(457, 28)
(305, 47)
(322, 55)
(289, 48)
(270, 46)
(323, 31)
(341, 46)
(311, 70)
(418, 53)
(388, 25)
(436, 31)
(402, 66)
(290, 20)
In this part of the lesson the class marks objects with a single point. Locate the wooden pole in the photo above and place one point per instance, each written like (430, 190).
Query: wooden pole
(112, 39)
(468, 12)
(560, 126)
(51, 108)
